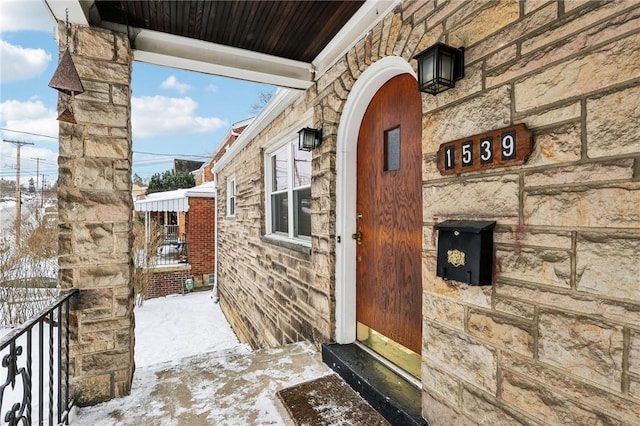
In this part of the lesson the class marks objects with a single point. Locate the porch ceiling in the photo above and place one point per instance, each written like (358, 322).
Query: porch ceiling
(284, 43)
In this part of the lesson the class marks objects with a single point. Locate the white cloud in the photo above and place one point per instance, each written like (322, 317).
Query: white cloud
(24, 15)
(173, 83)
(19, 63)
(31, 116)
(159, 116)
(212, 88)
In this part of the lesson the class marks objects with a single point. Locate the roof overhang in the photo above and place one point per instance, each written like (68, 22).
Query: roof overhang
(177, 51)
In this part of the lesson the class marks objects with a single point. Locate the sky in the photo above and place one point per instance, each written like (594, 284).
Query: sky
(175, 113)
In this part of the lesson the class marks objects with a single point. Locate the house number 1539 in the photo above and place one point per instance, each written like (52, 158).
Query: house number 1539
(509, 146)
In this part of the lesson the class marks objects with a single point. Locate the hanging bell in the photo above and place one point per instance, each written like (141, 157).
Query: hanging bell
(67, 116)
(66, 79)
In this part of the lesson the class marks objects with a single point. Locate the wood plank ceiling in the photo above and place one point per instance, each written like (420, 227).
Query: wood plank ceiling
(296, 30)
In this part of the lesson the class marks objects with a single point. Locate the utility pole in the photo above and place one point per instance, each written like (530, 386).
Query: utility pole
(37, 169)
(42, 193)
(18, 145)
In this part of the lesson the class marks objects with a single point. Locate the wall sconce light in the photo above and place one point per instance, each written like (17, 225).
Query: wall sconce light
(309, 139)
(439, 66)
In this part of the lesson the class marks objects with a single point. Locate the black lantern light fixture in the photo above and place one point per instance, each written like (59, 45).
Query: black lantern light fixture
(309, 139)
(439, 66)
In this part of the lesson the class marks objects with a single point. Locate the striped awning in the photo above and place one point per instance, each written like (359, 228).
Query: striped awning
(168, 201)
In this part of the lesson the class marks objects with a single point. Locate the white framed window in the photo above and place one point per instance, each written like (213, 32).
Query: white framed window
(231, 196)
(288, 190)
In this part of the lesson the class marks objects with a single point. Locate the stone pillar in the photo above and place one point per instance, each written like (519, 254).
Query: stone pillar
(95, 216)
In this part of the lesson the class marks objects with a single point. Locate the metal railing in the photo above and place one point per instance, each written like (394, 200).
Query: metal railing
(17, 399)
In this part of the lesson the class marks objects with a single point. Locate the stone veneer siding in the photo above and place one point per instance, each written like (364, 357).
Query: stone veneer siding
(201, 235)
(95, 217)
(556, 338)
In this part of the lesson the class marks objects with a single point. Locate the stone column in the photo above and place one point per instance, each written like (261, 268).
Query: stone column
(95, 216)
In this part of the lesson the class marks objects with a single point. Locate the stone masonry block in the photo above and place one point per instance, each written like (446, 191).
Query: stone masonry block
(634, 351)
(571, 112)
(578, 302)
(522, 237)
(107, 147)
(95, 43)
(101, 114)
(619, 170)
(91, 390)
(93, 173)
(443, 310)
(608, 266)
(510, 333)
(608, 65)
(581, 346)
(566, 33)
(491, 110)
(510, 34)
(437, 381)
(545, 405)
(547, 267)
(613, 123)
(486, 22)
(556, 381)
(514, 307)
(460, 355)
(487, 410)
(560, 145)
(491, 197)
(582, 206)
(105, 361)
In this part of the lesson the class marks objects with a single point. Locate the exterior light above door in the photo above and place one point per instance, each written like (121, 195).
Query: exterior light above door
(309, 139)
(439, 66)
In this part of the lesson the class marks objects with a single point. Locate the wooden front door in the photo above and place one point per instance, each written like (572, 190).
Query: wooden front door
(389, 208)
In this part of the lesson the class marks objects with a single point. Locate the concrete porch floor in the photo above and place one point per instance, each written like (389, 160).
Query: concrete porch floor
(232, 387)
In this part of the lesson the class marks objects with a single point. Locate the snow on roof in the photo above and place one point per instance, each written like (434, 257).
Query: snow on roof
(206, 190)
(168, 201)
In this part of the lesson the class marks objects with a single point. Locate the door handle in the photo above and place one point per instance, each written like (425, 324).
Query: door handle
(357, 236)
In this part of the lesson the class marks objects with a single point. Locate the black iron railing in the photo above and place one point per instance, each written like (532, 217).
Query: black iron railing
(51, 402)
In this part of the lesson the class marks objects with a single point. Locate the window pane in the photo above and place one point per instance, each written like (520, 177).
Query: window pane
(280, 213)
(301, 168)
(279, 164)
(392, 149)
(303, 212)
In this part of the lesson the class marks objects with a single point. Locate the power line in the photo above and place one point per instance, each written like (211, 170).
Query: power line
(206, 155)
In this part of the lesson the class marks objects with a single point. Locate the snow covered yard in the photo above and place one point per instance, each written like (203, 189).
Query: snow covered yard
(192, 370)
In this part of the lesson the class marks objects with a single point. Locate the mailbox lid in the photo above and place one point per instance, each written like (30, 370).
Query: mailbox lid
(467, 226)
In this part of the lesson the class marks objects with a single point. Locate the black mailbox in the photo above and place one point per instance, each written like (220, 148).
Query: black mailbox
(465, 251)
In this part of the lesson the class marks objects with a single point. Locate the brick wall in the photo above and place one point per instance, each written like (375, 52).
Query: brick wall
(166, 282)
(555, 339)
(201, 235)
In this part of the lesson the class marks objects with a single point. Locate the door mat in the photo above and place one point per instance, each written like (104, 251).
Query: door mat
(328, 401)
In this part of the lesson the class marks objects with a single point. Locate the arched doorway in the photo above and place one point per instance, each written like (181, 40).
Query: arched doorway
(362, 93)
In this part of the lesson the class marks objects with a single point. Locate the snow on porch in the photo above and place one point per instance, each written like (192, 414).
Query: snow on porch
(192, 370)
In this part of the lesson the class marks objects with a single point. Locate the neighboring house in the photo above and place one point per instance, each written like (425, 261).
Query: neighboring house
(340, 244)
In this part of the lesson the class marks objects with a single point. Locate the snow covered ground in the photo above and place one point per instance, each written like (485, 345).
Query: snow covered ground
(178, 326)
(192, 370)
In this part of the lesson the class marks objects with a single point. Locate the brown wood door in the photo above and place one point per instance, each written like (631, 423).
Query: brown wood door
(389, 207)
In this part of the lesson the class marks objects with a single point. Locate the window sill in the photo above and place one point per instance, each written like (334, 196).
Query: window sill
(302, 247)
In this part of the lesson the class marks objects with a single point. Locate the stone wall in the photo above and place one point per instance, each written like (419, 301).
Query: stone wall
(555, 339)
(95, 216)
(267, 287)
(552, 341)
